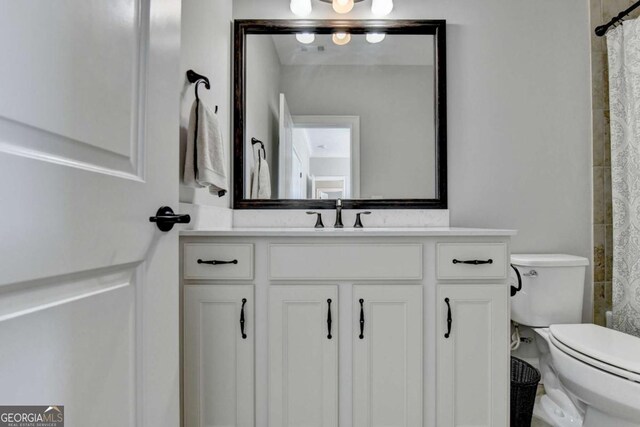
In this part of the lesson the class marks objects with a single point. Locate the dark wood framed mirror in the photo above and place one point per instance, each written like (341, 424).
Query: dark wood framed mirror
(350, 109)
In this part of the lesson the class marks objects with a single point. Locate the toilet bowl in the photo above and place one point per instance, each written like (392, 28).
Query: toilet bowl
(591, 374)
(595, 368)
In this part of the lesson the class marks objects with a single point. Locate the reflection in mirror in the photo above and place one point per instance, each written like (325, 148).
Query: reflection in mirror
(341, 116)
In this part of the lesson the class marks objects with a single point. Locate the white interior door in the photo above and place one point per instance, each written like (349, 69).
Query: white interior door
(286, 149)
(303, 356)
(298, 184)
(387, 355)
(88, 151)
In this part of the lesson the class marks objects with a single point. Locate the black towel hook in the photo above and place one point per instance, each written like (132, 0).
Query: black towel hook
(197, 83)
(255, 141)
(196, 78)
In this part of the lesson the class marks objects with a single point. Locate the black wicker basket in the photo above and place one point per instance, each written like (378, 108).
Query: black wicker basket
(524, 384)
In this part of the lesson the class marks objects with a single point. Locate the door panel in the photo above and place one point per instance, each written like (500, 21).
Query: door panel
(88, 131)
(285, 126)
(472, 364)
(88, 102)
(218, 361)
(303, 360)
(56, 352)
(70, 137)
(297, 181)
(387, 360)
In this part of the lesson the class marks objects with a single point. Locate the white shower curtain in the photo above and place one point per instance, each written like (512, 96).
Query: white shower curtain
(624, 104)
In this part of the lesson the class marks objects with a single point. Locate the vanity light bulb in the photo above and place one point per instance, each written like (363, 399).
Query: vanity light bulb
(375, 37)
(381, 7)
(343, 6)
(300, 7)
(305, 38)
(341, 38)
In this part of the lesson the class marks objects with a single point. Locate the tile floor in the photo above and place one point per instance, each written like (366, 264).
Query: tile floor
(538, 423)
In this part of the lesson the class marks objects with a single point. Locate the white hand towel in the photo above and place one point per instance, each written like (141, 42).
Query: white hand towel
(205, 161)
(260, 179)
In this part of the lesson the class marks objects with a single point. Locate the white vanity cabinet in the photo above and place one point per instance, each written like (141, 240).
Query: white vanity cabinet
(472, 335)
(387, 355)
(345, 328)
(386, 335)
(303, 355)
(472, 356)
(218, 355)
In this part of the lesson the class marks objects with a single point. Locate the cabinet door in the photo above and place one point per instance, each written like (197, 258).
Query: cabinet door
(218, 357)
(303, 356)
(387, 356)
(473, 358)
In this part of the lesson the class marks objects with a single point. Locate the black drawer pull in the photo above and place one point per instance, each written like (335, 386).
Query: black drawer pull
(216, 262)
(244, 336)
(361, 319)
(473, 261)
(329, 318)
(449, 319)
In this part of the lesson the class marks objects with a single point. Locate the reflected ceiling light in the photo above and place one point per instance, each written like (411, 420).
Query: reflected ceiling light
(305, 38)
(343, 6)
(375, 37)
(381, 7)
(341, 38)
(300, 7)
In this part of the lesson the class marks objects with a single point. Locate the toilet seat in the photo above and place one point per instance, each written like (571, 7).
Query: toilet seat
(612, 351)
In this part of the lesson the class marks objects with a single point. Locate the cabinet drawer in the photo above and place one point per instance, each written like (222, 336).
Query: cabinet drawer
(455, 261)
(225, 261)
(345, 261)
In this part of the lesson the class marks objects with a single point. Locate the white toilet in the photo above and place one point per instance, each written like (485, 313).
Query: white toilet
(591, 374)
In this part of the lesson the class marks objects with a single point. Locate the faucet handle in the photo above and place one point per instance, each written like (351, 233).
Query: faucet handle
(319, 223)
(358, 223)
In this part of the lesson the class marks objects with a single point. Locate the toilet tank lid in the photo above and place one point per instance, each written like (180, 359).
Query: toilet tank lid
(548, 260)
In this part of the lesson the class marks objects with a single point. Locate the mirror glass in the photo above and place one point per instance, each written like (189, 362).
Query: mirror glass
(340, 115)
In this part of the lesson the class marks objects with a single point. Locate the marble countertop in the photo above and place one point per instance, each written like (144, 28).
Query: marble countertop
(349, 232)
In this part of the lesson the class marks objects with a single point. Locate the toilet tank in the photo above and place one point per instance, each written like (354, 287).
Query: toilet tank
(552, 289)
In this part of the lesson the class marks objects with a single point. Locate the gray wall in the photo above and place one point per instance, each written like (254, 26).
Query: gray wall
(519, 107)
(330, 166)
(206, 48)
(263, 104)
(519, 118)
(394, 103)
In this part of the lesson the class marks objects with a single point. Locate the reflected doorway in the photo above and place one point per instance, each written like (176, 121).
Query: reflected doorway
(326, 156)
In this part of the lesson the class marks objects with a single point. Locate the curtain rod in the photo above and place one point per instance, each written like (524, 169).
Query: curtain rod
(602, 29)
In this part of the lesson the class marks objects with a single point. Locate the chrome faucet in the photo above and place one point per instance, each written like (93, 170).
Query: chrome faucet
(338, 223)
